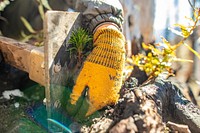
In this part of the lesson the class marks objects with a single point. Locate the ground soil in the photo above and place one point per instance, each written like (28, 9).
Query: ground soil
(13, 116)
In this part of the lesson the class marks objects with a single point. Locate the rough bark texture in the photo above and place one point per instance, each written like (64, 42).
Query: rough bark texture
(147, 109)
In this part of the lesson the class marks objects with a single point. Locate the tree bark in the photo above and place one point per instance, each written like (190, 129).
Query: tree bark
(148, 108)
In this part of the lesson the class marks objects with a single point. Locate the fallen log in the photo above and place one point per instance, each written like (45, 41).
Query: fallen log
(151, 107)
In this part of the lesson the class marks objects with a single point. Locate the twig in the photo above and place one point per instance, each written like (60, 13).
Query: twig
(191, 5)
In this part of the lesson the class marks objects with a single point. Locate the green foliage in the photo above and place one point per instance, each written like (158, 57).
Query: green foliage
(45, 3)
(159, 60)
(42, 4)
(187, 30)
(36, 37)
(27, 25)
(80, 42)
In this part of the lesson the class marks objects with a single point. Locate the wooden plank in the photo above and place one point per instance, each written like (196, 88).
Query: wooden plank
(16, 53)
(25, 57)
(58, 26)
(36, 68)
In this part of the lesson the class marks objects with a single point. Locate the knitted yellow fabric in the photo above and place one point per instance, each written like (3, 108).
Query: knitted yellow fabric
(102, 70)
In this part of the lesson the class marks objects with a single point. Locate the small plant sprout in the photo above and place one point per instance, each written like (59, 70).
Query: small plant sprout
(80, 41)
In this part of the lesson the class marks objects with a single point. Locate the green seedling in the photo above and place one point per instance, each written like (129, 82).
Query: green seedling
(81, 44)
